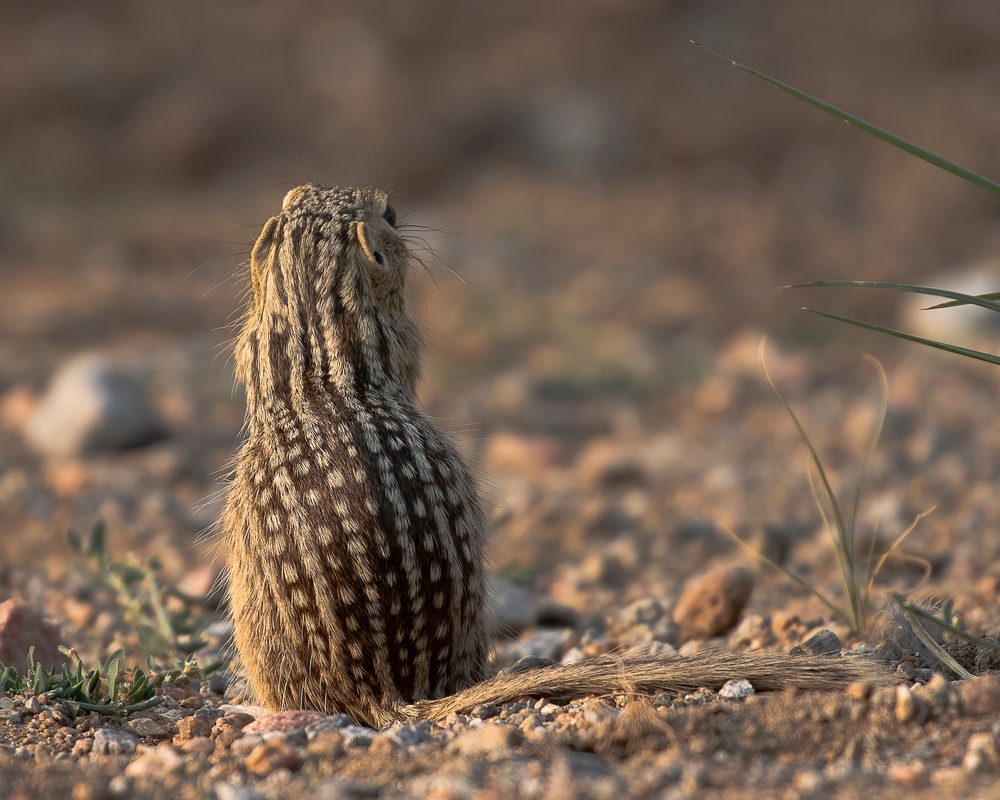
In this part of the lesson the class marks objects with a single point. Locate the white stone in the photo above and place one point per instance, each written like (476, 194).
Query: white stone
(93, 404)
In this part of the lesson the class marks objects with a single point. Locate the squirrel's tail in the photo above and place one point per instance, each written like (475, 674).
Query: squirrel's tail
(633, 673)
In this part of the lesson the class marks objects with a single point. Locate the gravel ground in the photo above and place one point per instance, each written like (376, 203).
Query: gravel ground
(607, 213)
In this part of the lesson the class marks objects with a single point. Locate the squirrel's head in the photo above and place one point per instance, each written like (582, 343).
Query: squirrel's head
(329, 302)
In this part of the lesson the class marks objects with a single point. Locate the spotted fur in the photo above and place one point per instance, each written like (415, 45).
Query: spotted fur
(353, 530)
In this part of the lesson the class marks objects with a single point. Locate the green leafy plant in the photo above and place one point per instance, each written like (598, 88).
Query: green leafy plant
(112, 688)
(857, 574)
(170, 634)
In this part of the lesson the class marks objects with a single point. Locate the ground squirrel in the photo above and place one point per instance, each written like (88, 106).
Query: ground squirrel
(353, 530)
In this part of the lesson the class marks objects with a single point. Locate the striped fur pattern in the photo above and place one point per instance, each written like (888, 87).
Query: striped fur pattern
(352, 529)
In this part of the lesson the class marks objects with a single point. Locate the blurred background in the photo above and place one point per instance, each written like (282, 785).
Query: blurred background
(607, 213)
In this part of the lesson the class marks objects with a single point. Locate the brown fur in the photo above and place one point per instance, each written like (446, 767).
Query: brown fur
(353, 530)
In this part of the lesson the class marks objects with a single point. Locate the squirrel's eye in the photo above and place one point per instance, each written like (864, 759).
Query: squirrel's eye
(390, 215)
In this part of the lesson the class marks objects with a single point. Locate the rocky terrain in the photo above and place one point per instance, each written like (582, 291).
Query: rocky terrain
(604, 214)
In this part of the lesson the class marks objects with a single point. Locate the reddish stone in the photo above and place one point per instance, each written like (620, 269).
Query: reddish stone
(284, 721)
(21, 627)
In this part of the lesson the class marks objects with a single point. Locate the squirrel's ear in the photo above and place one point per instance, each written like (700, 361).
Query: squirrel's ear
(374, 255)
(260, 255)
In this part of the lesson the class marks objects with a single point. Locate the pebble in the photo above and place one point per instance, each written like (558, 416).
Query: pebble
(820, 643)
(231, 791)
(284, 722)
(331, 722)
(910, 707)
(409, 735)
(201, 745)
(606, 463)
(21, 627)
(980, 752)
(736, 689)
(512, 607)
(198, 726)
(547, 644)
(112, 741)
(495, 741)
(271, 755)
(93, 404)
(157, 727)
(711, 603)
(154, 762)
(358, 736)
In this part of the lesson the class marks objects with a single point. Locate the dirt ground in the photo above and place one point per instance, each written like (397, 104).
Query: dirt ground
(608, 212)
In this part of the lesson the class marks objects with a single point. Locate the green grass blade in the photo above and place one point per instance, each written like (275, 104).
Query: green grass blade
(979, 355)
(829, 509)
(953, 303)
(987, 301)
(896, 141)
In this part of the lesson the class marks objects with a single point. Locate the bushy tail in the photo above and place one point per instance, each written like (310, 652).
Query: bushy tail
(632, 673)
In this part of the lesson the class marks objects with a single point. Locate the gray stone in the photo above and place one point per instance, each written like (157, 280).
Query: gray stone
(111, 741)
(92, 405)
(409, 735)
(736, 689)
(513, 609)
(820, 643)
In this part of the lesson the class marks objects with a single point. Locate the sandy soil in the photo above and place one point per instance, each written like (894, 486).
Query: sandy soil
(608, 212)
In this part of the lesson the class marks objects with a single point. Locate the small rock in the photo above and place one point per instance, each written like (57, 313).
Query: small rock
(512, 606)
(555, 615)
(909, 706)
(230, 791)
(192, 727)
(284, 722)
(93, 404)
(333, 722)
(201, 745)
(358, 736)
(820, 643)
(82, 747)
(485, 711)
(527, 664)
(152, 727)
(91, 790)
(409, 735)
(271, 755)
(111, 741)
(154, 762)
(736, 689)
(22, 627)
(548, 644)
(711, 604)
(912, 774)
(980, 697)
(495, 741)
(605, 462)
(980, 752)
(225, 733)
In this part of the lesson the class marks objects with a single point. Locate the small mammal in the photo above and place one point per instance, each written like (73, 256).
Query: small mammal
(353, 531)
